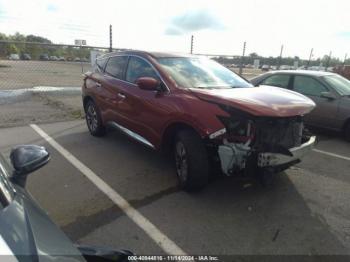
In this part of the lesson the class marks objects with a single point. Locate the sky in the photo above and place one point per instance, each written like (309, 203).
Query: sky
(219, 27)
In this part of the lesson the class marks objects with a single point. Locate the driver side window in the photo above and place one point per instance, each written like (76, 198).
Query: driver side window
(139, 68)
(308, 86)
(277, 80)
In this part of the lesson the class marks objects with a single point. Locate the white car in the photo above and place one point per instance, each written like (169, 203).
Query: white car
(285, 67)
(14, 57)
(53, 58)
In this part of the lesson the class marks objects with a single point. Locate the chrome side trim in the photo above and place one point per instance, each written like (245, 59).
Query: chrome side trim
(132, 134)
(217, 133)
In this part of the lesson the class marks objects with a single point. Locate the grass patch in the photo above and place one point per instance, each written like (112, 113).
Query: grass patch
(77, 114)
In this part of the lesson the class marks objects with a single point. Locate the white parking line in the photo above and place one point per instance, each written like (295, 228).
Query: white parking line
(331, 154)
(151, 230)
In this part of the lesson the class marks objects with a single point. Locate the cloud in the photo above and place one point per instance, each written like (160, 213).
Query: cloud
(171, 30)
(2, 12)
(193, 21)
(51, 7)
(345, 34)
(74, 27)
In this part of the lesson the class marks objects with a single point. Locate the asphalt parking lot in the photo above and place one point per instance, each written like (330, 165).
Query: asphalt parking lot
(306, 211)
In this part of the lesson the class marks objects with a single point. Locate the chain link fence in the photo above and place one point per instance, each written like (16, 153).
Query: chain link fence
(27, 65)
(40, 82)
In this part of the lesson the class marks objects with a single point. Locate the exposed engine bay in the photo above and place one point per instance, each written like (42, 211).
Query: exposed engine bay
(261, 142)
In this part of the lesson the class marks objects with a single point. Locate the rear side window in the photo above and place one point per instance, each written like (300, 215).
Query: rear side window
(277, 80)
(139, 68)
(100, 62)
(308, 86)
(116, 66)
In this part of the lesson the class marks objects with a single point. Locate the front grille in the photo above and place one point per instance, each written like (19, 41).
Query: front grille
(274, 133)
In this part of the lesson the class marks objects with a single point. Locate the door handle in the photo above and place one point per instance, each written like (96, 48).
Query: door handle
(121, 95)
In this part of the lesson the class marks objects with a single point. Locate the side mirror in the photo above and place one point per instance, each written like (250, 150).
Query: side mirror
(26, 159)
(328, 95)
(148, 83)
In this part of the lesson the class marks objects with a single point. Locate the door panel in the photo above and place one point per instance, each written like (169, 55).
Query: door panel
(110, 83)
(141, 109)
(325, 112)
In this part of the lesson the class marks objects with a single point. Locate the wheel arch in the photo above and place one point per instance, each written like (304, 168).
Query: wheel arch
(170, 132)
(86, 99)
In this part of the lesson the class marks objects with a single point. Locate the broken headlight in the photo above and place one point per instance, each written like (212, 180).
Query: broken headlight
(238, 130)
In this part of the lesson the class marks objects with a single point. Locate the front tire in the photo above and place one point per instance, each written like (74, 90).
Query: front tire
(191, 161)
(93, 119)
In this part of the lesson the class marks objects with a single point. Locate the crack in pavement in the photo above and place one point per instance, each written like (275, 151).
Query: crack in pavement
(83, 225)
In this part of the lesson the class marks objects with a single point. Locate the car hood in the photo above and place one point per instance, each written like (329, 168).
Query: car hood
(259, 101)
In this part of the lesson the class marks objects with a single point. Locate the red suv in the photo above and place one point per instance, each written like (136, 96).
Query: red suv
(201, 111)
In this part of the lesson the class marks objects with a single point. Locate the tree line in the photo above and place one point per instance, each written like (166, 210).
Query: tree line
(24, 45)
(275, 61)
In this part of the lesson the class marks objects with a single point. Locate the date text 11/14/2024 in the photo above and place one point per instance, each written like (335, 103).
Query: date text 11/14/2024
(173, 258)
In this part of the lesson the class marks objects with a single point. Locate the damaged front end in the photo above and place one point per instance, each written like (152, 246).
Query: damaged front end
(252, 143)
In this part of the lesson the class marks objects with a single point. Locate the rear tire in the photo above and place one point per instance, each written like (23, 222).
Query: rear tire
(191, 161)
(93, 119)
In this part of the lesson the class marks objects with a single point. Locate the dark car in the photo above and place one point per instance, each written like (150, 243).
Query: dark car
(26, 57)
(44, 57)
(330, 92)
(265, 68)
(343, 70)
(201, 111)
(26, 232)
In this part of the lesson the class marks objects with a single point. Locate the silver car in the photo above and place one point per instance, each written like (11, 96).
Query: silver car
(26, 232)
(330, 92)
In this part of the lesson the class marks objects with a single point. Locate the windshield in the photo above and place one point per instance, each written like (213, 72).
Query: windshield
(339, 83)
(202, 73)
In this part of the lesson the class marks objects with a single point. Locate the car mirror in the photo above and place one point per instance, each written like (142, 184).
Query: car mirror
(328, 95)
(26, 159)
(148, 83)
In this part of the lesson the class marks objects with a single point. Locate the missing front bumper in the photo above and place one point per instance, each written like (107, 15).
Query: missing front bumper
(236, 157)
(275, 159)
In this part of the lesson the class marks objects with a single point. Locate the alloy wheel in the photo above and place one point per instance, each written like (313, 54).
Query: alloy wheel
(181, 161)
(91, 118)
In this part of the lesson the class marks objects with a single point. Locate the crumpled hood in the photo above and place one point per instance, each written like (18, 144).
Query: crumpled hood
(259, 101)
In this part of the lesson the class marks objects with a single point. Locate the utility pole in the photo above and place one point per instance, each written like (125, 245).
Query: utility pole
(110, 38)
(242, 59)
(280, 58)
(328, 60)
(308, 62)
(346, 55)
(191, 44)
